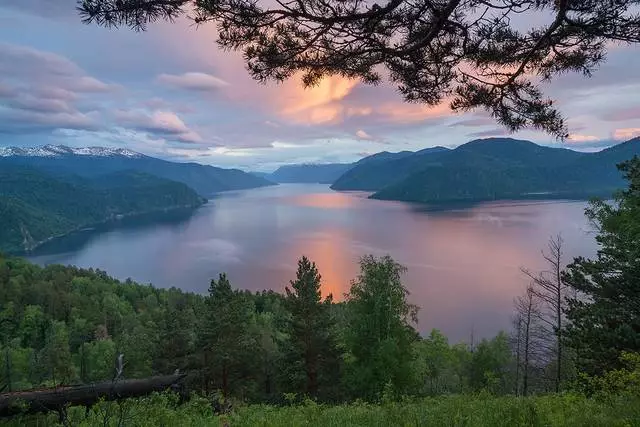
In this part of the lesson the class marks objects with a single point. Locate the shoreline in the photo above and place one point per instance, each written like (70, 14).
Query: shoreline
(113, 219)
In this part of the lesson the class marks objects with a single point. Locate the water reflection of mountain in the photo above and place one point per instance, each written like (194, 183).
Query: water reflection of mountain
(79, 239)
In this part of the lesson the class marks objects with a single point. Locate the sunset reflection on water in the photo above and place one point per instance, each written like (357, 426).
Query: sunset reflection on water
(463, 264)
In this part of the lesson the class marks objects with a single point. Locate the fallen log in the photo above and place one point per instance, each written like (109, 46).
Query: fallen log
(57, 398)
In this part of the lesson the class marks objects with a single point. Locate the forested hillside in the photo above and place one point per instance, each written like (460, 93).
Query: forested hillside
(378, 170)
(490, 169)
(36, 206)
(95, 161)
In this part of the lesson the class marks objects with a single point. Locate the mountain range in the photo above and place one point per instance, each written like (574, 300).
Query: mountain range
(308, 173)
(36, 206)
(94, 161)
(52, 190)
(491, 169)
(328, 173)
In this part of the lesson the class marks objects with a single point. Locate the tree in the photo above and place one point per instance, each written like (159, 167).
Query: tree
(489, 365)
(438, 365)
(605, 315)
(56, 356)
(380, 332)
(226, 338)
(470, 52)
(310, 328)
(528, 334)
(550, 288)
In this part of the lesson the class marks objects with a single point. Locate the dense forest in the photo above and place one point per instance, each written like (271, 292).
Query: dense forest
(36, 205)
(576, 328)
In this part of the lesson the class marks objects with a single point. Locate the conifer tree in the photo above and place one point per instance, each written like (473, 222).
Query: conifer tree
(605, 315)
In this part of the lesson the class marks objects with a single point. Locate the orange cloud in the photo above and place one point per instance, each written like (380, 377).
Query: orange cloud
(626, 133)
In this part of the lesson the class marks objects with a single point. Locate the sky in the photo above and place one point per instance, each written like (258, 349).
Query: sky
(171, 93)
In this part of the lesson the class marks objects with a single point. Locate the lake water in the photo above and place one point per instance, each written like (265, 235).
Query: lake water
(463, 264)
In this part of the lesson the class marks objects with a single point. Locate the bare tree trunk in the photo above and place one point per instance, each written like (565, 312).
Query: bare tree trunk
(527, 308)
(549, 287)
(518, 338)
(527, 336)
(52, 399)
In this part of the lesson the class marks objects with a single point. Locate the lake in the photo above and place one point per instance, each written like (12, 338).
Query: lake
(463, 263)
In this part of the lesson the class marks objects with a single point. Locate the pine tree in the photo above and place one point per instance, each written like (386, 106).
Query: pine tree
(605, 315)
(310, 328)
(226, 335)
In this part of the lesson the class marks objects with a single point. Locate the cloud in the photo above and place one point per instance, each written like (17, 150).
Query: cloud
(161, 123)
(30, 122)
(200, 82)
(622, 114)
(42, 92)
(474, 122)
(363, 135)
(55, 88)
(490, 132)
(41, 105)
(582, 138)
(626, 133)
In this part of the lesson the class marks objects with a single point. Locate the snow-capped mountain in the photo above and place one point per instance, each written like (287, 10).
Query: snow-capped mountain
(63, 150)
(93, 162)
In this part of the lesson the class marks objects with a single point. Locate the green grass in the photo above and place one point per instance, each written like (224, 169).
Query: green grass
(559, 410)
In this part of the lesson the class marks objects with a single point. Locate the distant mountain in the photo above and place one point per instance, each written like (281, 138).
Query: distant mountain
(94, 161)
(309, 173)
(379, 170)
(504, 168)
(36, 206)
(62, 150)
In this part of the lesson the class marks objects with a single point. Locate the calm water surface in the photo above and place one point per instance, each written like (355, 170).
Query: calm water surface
(463, 264)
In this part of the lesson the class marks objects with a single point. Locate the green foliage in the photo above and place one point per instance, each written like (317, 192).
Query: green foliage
(490, 365)
(379, 335)
(617, 382)
(605, 317)
(66, 325)
(36, 206)
(566, 410)
(227, 340)
(439, 367)
(312, 358)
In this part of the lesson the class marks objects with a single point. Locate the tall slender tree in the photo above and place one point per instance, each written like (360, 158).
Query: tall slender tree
(551, 290)
(605, 315)
(310, 327)
(528, 315)
(226, 334)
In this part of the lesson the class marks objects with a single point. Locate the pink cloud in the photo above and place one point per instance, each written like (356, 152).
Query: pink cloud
(163, 123)
(578, 138)
(363, 135)
(193, 81)
(626, 133)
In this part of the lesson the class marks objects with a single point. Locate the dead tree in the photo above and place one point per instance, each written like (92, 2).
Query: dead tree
(53, 399)
(548, 286)
(528, 335)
